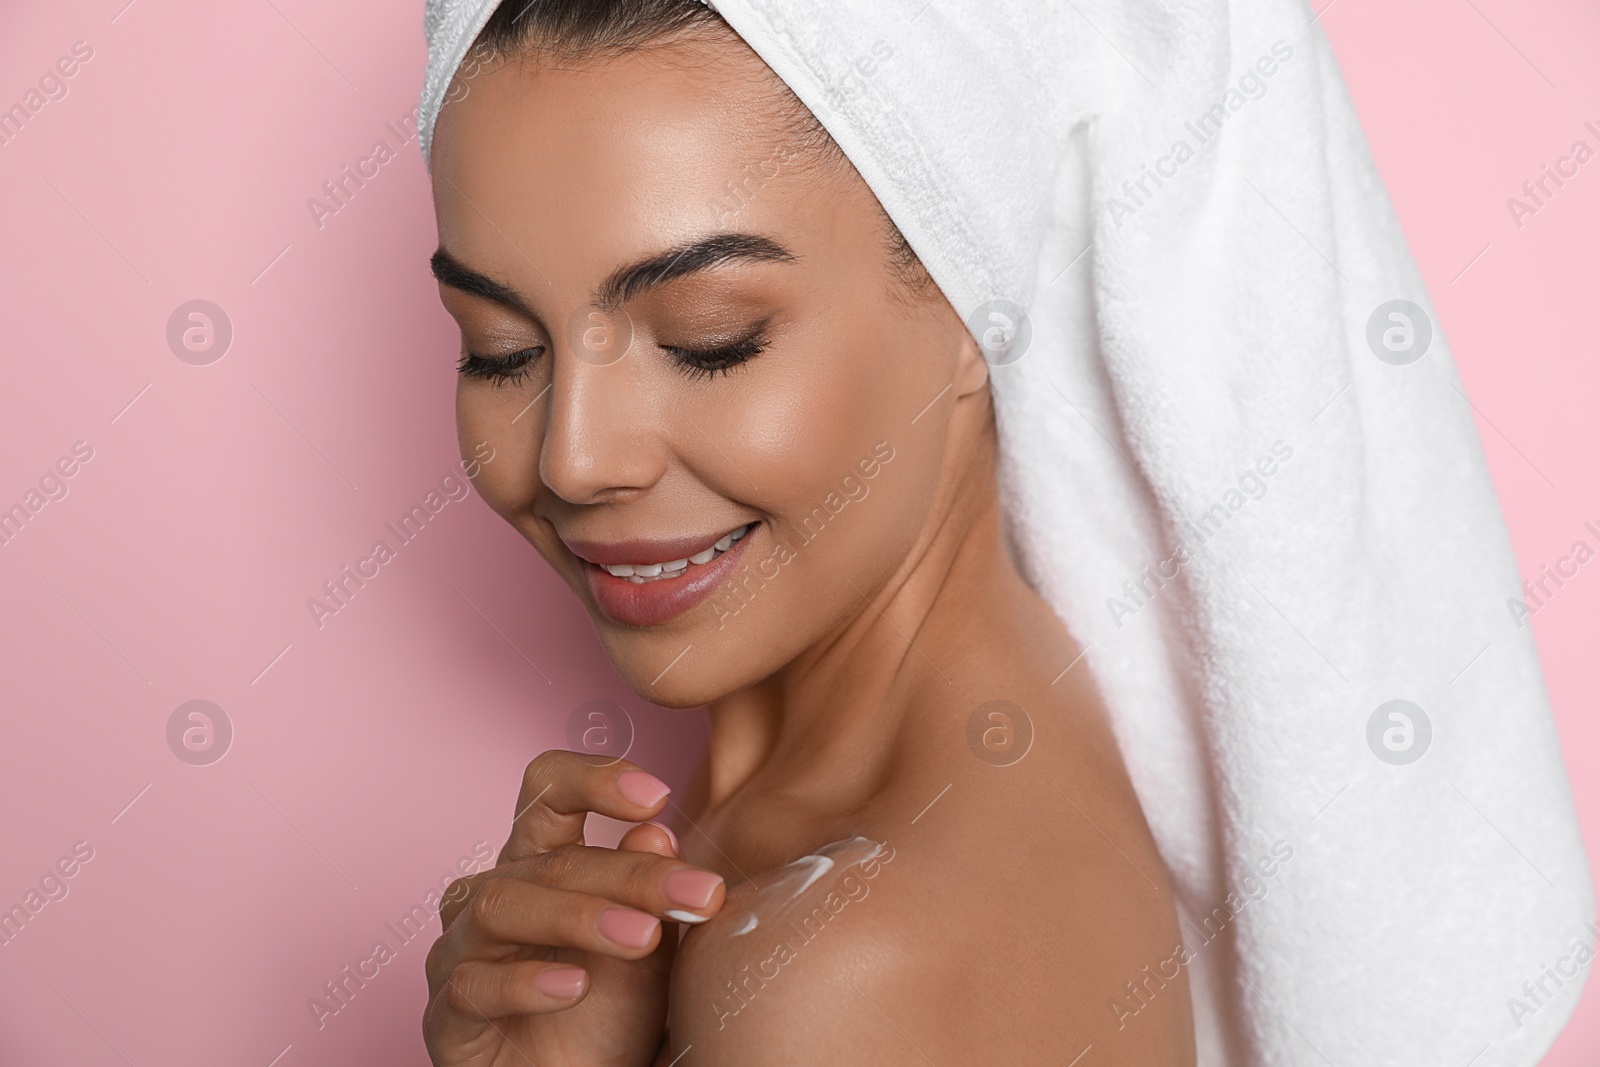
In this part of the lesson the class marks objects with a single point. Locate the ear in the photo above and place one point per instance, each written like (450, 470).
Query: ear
(972, 370)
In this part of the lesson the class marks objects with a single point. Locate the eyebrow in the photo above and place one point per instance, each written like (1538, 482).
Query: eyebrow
(626, 283)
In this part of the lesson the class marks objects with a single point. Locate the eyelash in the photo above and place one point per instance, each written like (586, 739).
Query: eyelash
(707, 363)
(508, 370)
(703, 363)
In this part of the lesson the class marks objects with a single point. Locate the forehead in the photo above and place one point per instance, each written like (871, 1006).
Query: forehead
(587, 163)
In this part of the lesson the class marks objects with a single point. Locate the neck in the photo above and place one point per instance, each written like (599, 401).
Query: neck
(825, 724)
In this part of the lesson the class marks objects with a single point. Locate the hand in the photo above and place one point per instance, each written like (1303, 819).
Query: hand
(557, 956)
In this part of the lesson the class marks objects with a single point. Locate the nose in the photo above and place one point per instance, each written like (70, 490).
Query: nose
(602, 438)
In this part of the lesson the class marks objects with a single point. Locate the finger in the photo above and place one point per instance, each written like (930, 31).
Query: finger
(653, 837)
(660, 885)
(658, 838)
(457, 894)
(560, 788)
(483, 990)
(637, 877)
(507, 915)
(478, 992)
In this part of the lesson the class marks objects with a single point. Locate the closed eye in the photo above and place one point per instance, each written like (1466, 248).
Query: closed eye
(710, 362)
(503, 370)
(699, 363)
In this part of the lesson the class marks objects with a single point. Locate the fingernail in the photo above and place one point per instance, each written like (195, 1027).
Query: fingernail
(629, 928)
(672, 837)
(645, 790)
(691, 888)
(563, 983)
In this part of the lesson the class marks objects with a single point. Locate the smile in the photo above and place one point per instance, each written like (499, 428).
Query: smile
(647, 583)
(640, 573)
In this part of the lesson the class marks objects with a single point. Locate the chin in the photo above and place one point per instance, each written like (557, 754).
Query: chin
(686, 684)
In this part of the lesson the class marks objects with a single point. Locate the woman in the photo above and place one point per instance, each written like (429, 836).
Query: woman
(740, 414)
(796, 382)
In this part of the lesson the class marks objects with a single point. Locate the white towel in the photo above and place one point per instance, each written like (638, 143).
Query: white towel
(1212, 385)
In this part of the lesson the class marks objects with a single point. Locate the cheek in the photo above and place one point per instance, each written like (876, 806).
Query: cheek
(800, 430)
(510, 484)
(803, 426)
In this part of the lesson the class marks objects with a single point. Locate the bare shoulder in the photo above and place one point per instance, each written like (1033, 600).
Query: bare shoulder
(977, 912)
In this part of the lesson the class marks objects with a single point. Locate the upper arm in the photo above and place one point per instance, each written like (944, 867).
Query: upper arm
(818, 980)
(960, 951)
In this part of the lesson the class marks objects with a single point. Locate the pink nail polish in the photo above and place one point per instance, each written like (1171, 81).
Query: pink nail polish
(628, 928)
(563, 983)
(671, 837)
(645, 790)
(691, 888)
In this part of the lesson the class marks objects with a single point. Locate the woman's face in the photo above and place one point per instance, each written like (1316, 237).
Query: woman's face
(680, 327)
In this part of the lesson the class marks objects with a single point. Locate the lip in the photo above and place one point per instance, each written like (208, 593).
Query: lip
(657, 602)
(643, 551)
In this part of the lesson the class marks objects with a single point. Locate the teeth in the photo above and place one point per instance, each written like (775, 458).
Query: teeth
(639, 573)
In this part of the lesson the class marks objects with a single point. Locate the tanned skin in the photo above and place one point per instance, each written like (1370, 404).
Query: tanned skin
(1020, 899)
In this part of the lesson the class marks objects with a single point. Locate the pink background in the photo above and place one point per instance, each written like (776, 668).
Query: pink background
(372, 754)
